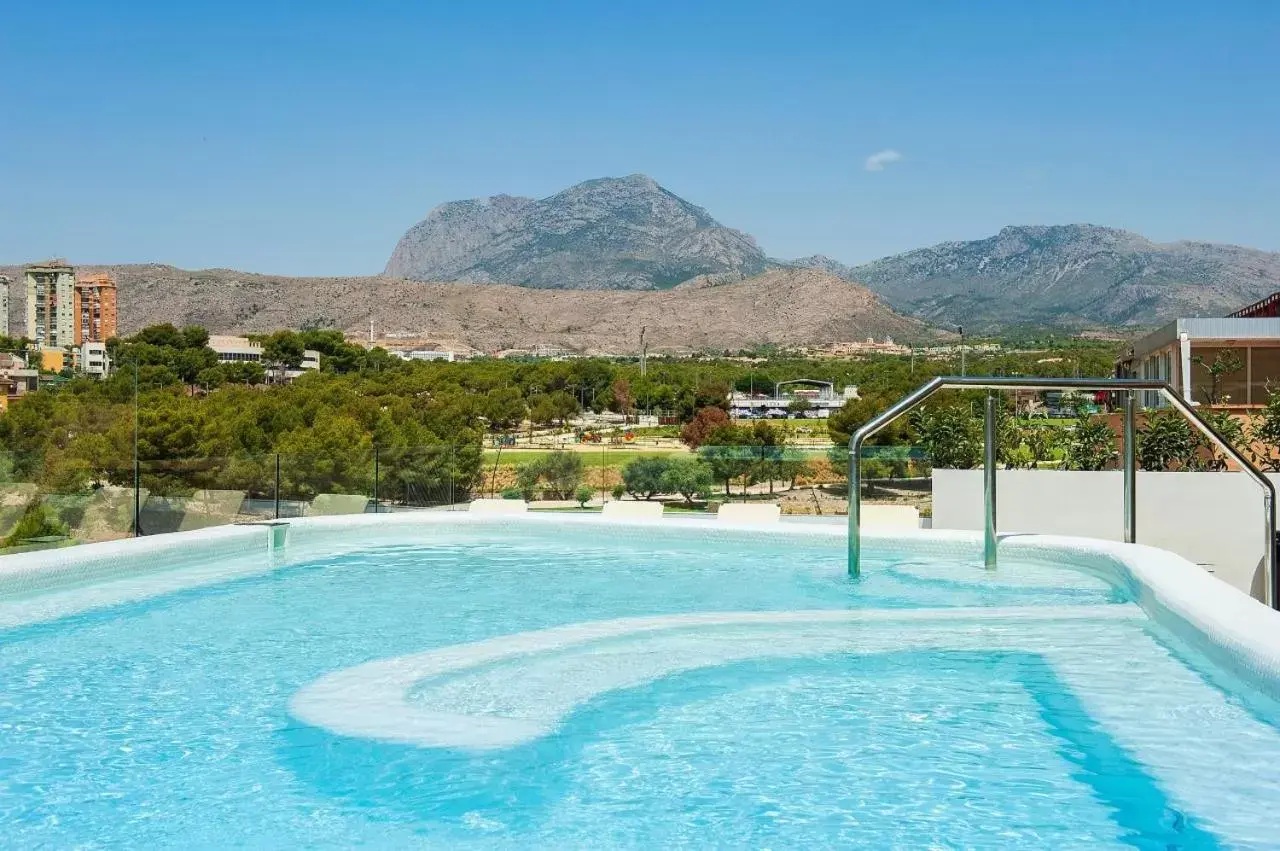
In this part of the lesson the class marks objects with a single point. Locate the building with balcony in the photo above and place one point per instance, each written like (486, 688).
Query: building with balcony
(51, 304)
(95, 308)
(94, 360)
(1183, 352)
(4, 304)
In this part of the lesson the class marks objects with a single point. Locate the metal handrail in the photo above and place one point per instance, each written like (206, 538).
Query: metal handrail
(992, 383)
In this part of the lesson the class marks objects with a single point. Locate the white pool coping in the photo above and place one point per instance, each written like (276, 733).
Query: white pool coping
(1235, 630)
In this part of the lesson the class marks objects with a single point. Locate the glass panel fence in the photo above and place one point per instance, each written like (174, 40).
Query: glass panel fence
(61, 500)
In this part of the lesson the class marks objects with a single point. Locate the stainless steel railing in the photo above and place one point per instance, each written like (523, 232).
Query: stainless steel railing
(1129, 386)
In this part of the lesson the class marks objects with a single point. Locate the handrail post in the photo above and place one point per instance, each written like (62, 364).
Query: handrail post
(277, 485)
(1129, 386)
(856, 440)
(1130, 471)
(1269, 552)
(989, 483)
(137, 498)
(855, 507)
(375, 479)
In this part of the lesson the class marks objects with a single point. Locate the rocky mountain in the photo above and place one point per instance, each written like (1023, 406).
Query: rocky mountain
(788, 307)
(1072, 276)
(612, 233)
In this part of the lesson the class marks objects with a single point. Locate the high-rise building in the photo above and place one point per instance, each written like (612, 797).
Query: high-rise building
(95, 308)
(51, 304)
(4, 304)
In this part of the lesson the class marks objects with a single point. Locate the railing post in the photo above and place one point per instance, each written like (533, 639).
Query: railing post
(1269, 553)
(855, 508)
(451, 471)
(277, 485)
(137, 500)
(1130, 471)
(989, 481)
(375, 479)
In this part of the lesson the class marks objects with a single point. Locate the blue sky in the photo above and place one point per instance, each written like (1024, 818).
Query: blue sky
(305, 138)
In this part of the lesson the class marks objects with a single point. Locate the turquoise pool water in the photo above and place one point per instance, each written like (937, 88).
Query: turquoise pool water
(539, 685)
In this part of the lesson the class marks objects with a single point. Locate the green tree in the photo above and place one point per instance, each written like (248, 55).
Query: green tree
(559, 473)
(504, 408)
(283, 350)
(1225, 363)
(799, 406)
(687, 476)
(730, 453)
(555, 407)
(642, 477)
(583, 495)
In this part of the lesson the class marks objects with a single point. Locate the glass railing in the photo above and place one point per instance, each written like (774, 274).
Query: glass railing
(50, 501)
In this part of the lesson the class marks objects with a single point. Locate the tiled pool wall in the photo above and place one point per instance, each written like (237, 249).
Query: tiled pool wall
(25, 574)
(1229, 627)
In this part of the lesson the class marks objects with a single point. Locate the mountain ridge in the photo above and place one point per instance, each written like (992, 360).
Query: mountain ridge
(1071, 276)
(786, 307)
(605, 233)
(632, 233)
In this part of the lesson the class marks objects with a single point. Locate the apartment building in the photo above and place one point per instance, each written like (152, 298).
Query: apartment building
(95, 308)
(51, 304)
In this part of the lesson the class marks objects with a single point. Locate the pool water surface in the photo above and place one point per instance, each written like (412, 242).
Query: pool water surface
(562, 685)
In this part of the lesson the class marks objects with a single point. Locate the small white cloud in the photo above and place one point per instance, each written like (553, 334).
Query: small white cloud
(881, 159)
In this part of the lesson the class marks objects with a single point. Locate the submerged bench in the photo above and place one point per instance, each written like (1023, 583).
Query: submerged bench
(632, 510)
(889, 516)
(749, 512)
(498, 506)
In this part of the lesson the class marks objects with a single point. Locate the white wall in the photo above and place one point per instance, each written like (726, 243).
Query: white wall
(1213, 519)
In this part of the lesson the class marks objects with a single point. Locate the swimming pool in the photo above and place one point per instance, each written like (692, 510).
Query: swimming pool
(452, 681)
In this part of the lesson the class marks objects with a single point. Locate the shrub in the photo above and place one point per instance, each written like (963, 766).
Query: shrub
(37, 521)
(1166, 442)
(1091, 446)
(1229, 429)
(951, 435)
(583, 495)
(1265, 431)
(618, 491)
(512, 493)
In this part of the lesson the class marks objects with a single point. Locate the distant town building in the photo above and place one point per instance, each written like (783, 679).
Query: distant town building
(241, 349)
(870, 347)
(4, 304)
(820, 398)
(16, 379)
(94, 360)
(95, 308)
(51, 304)
(425, 354)
(53, 360)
